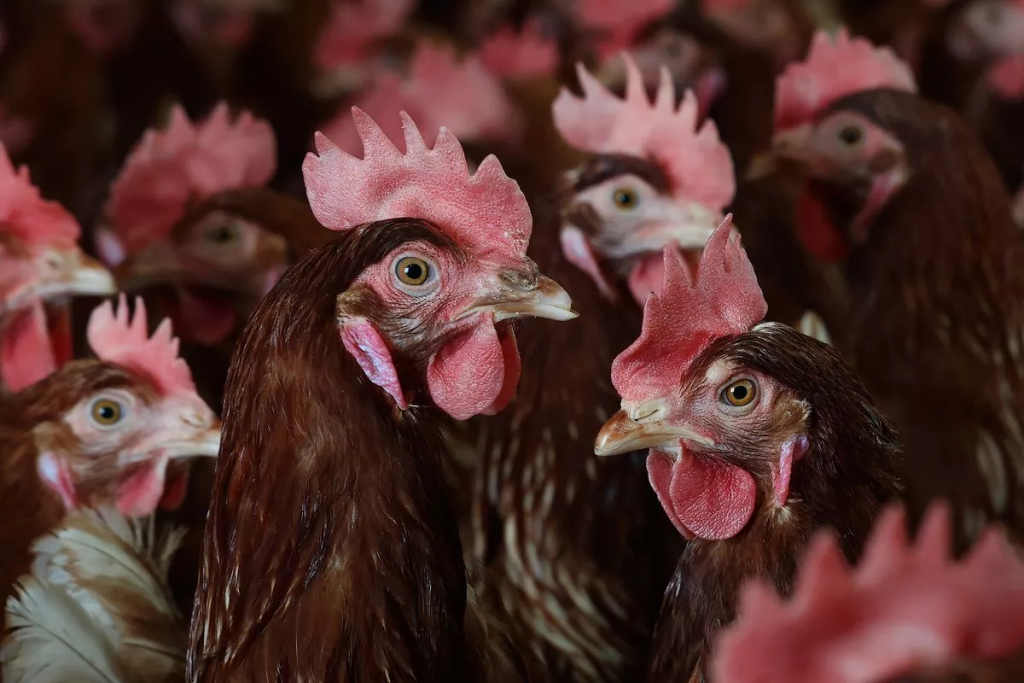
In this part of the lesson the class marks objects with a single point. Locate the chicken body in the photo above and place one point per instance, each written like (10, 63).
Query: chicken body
(842, 482)
(936, 290)
(350, 566)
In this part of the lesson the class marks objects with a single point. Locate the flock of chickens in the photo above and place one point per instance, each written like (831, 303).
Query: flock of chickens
(539, 419)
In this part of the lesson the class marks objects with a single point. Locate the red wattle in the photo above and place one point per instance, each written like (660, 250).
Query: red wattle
(816, 231)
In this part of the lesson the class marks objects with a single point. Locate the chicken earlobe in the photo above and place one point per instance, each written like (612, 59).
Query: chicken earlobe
(363, 341)
(577, 251)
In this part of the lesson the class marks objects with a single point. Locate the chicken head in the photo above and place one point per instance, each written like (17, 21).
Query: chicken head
(656, 178)
(121, 429)
(436, 310)
(835, 145)
(773, 26)
(41, 265)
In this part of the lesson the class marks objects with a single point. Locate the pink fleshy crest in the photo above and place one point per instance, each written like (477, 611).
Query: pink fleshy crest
(354, 26)
(26, 216)
(526, 53)
(835, 68)
(906, 606)
(486, 212)
(171, 167)
(689, 314)
(118, 340)
(697, 162)
(440, 90)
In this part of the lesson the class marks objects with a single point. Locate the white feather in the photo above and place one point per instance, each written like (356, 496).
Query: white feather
(52, 640)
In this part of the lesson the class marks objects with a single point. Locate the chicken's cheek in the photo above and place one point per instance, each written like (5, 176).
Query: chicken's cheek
(139, 493)
(817, 233)
(26, 355)
(712, 500)
(364, 342)
(470, 375)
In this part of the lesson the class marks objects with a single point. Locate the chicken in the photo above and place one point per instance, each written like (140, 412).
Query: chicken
(973, 60)
(116, 430)
(40, 265)
(906, 613)
(103, 27)
(332, 551)
(759, 435)
(585, 586)
(903, 196)
(171, 219)
(96, 605)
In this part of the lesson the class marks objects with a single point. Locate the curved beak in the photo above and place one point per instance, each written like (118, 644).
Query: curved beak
(544, 298)
(787, 151)
(622, 434)
(69, 272)
(204, 443)
(154, 265)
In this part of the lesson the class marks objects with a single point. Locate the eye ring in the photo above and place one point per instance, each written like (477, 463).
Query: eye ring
(625, 198)
(225, 233)
(739, 394)
(851, 135)
(412, 271)
(106, 412)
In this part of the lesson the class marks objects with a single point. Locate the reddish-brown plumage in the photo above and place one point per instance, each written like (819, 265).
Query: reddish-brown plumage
(842, 481)
(936, 309)
(32, 421)
(332, 552)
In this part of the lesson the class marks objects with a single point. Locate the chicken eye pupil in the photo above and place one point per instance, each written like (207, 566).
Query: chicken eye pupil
(740, 393)
(222, 234)
(851, 135)
(625, 198)
(106, 412)
(412, 271)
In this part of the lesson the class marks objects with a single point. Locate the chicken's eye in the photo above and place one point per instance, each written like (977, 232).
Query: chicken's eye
(625, 198)
(740, 393)
(106, 413)
(412, 271)
(223, 234)
(851, 135)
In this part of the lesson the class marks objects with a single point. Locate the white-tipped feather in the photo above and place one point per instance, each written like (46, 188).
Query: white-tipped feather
(812, 325)
(53, 640)
(114, 571)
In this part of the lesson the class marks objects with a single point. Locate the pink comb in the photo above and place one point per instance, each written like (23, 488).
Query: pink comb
(440, 91)
(354, 26)
(833, 70)
(698, 164)
(687, 316)
(119, 341)
(525, 54)
(486, 211)
(904, 608)
(184, 162)
(26, 216)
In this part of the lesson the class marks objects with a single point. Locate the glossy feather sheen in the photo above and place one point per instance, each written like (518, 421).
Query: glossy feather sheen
(331, 551)
(571, 540)
(937, 320)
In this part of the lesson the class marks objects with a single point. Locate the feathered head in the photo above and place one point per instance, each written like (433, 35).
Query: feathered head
(522, 54)
(835, 68)
(440, 90)
(689, 314)
(26, 216)
(486, 212)
(697, 163)
(120, 339)
(183, 163)
(905, 607)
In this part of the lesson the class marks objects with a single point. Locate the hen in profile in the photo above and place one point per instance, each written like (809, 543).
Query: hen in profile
(759, 436)
(332, 551)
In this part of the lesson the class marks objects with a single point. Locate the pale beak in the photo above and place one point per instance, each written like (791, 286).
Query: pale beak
(181, 441)
(157, 264)
(622, 434)
(546, 299)
(787, 148)
(69, 272)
